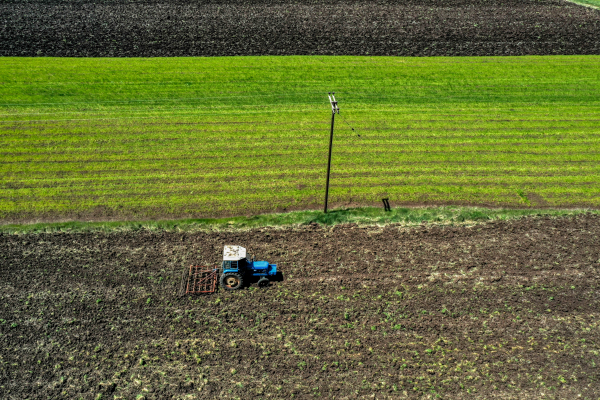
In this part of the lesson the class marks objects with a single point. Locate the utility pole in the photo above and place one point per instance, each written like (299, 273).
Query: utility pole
(334, 109)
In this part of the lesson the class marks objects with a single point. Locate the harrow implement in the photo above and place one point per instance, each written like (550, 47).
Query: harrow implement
(198, 280)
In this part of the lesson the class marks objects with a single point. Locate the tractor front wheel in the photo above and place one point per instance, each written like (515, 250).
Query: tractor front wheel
(263, 282)
(231, 281)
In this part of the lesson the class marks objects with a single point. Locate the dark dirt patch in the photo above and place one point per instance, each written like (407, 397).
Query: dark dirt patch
(502, 309)
(216, 28)
(537, 200)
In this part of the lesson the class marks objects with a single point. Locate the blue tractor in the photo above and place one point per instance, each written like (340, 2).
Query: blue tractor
(236, 269)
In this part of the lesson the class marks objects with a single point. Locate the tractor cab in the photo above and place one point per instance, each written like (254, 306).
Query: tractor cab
(236, 267)
(234, 259)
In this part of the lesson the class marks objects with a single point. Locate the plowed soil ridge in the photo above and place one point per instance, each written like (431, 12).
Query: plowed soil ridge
(504, 309)
(211, 28)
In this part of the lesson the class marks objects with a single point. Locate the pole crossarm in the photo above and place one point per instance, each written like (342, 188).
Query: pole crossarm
(334, 106)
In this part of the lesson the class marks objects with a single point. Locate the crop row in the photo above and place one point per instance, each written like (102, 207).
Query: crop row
(79, 145)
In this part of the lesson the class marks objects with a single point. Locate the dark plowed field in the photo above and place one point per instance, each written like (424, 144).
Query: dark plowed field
(284, 27)
(499, 310)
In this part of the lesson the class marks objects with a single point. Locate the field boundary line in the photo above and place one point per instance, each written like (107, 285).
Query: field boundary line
(584, 4)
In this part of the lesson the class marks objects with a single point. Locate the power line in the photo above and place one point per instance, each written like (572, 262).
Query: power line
(344, 119)
(357, 95)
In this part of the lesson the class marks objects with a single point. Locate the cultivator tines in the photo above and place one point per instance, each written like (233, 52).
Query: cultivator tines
(201, 280)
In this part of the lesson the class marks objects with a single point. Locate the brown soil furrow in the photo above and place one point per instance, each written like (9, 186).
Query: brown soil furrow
(493, 309)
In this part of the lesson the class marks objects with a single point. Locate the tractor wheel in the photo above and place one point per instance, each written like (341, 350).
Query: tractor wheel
(263, 282)
(231, 281)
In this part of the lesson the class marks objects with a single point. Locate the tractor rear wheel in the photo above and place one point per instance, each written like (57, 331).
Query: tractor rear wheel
(231, 281)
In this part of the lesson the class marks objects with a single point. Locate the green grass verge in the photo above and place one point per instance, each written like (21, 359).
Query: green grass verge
(589, 3)
(200, 137)
(361, 216)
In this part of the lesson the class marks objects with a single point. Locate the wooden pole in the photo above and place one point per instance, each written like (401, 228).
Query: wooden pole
(329, 160)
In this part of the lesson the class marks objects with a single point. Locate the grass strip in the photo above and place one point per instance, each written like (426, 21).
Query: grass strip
(360, 216)
(169, 138)
(587, 3)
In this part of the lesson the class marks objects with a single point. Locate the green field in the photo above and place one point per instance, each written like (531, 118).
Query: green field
(204, 137)
(589, 3)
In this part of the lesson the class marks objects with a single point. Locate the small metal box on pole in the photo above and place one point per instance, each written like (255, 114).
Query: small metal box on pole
(334, 109)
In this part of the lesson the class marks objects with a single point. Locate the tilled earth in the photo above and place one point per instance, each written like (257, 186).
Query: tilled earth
(119, 28)
(505, 309)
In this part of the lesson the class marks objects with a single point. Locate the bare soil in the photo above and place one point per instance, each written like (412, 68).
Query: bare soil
(495, 310)
(119, 28)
